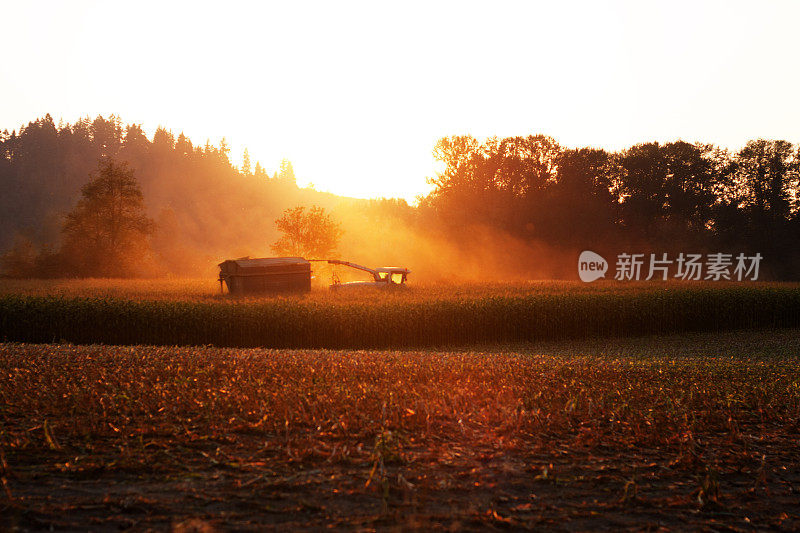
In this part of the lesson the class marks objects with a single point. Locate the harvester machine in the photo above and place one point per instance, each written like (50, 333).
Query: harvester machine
(384, 277)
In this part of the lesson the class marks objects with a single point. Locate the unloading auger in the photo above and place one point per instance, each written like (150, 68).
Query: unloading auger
(383, 277)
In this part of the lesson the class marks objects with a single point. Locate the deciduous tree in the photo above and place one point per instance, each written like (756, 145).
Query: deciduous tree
(106, 235)
(312, 234)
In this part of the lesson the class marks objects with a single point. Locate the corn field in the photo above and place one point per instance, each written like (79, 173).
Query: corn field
(419, 317)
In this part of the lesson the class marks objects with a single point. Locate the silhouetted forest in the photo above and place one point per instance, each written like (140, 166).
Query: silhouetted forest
(502, 208)
(203, 207)
(651, 197)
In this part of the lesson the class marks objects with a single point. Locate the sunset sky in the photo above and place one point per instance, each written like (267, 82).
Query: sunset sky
(356, 94)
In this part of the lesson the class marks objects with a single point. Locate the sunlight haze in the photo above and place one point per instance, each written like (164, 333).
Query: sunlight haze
(356, 94)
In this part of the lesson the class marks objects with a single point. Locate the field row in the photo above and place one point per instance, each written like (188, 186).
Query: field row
(381, 320)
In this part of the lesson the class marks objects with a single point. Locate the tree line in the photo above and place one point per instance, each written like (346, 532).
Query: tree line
(199, 208)
(651, 197)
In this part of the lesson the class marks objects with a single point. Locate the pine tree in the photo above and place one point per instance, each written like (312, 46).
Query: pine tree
(286, 173)
(246, 163)
(260, 173)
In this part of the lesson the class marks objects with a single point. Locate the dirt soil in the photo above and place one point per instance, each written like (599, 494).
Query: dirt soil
(447, 485)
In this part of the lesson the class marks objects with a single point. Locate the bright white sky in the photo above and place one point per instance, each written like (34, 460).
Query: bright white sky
(356, 94)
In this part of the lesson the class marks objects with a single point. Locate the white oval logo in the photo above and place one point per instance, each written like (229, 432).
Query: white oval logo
(591, 266)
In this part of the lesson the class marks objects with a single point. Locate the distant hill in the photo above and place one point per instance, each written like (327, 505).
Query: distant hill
(205, 208)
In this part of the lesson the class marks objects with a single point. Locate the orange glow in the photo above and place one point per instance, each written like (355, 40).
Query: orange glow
(356, 94)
